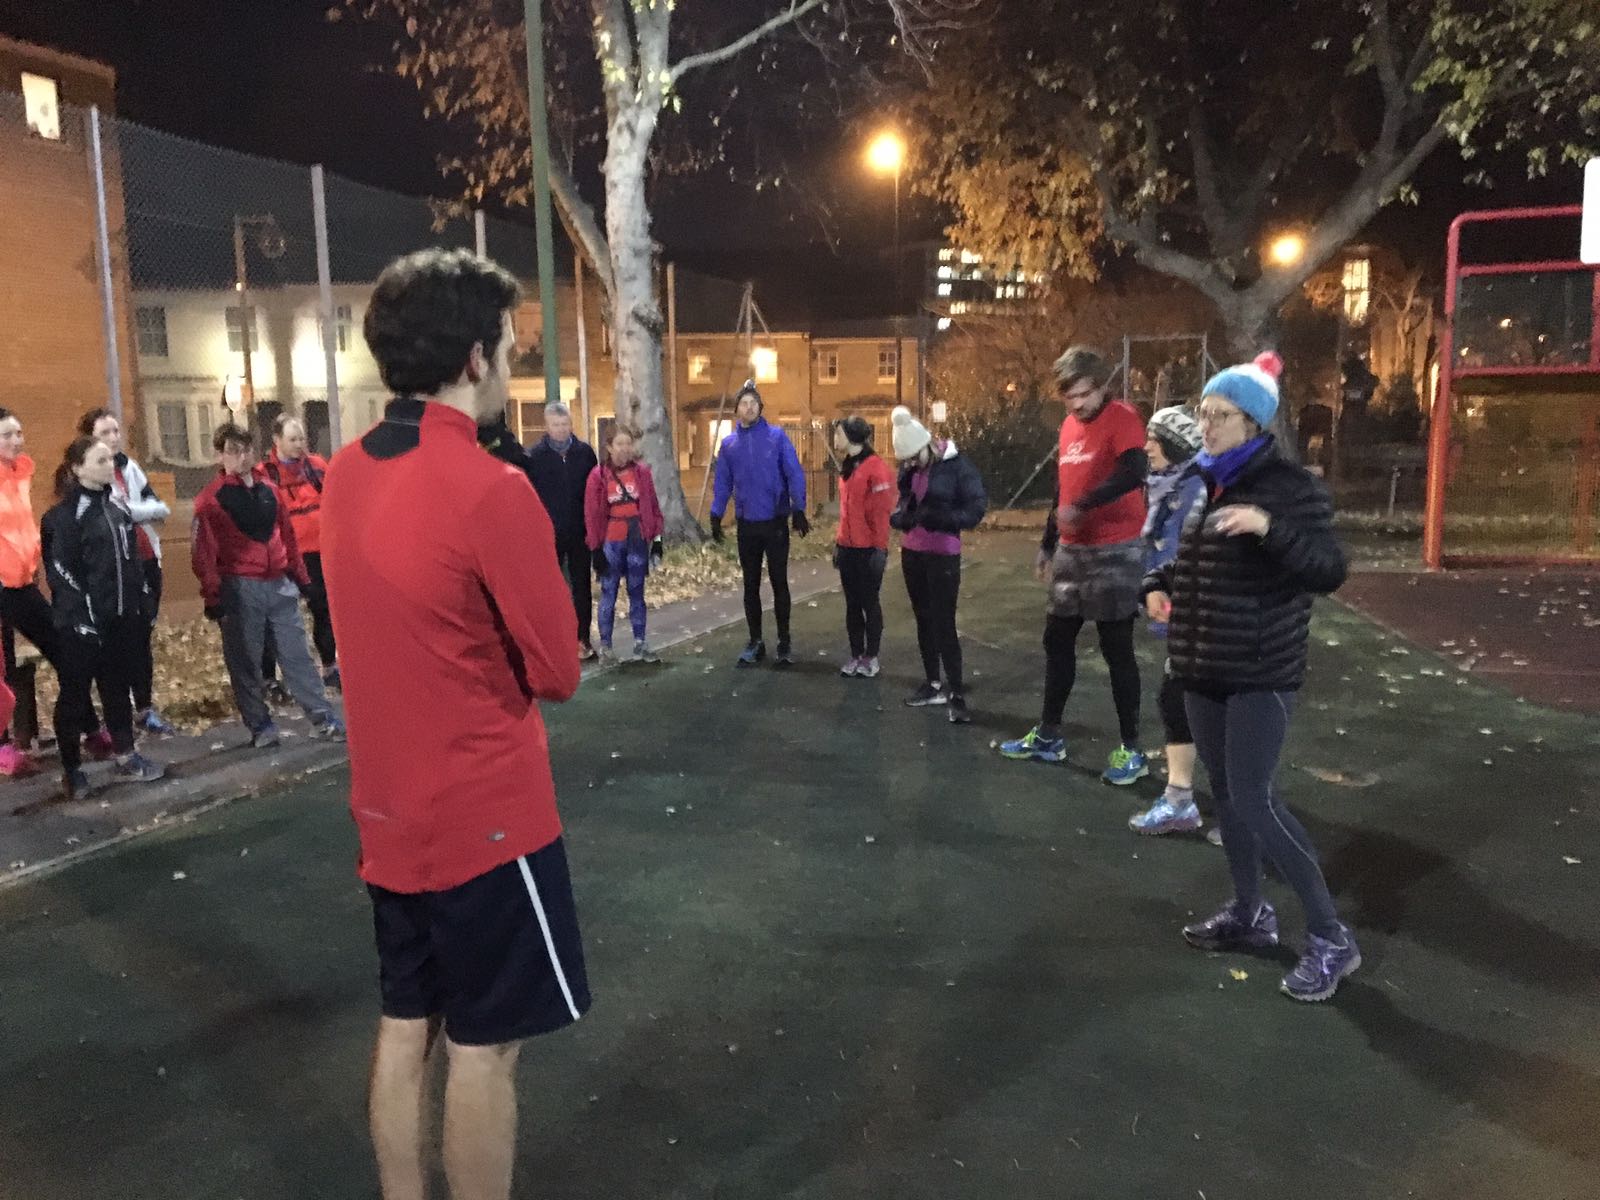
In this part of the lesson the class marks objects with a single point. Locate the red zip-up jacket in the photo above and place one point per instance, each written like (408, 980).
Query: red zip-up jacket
(300, 484)
(865, 501)
(453, 622)
(596, 512)
(220, 547)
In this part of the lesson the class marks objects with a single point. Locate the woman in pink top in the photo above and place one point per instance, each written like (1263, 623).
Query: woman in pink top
(941, 494)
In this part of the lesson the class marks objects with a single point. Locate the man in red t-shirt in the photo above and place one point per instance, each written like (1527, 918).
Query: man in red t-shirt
(1093, 557)
(453, 622)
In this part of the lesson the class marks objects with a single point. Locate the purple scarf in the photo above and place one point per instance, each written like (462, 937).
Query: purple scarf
(1222, 469)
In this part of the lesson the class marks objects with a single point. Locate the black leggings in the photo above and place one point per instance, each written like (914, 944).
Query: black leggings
(861, 577)
(24, 610)
(1239, 738)
(1061, 671)
(933, 583)
(765, 540)
(142, 678)
(321, 622)
(109, 661)
(1174, 714)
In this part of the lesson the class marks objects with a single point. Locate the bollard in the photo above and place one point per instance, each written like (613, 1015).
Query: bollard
(1394, 487)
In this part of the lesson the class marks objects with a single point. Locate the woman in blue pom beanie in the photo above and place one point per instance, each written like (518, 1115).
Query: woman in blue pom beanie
(1238, 605)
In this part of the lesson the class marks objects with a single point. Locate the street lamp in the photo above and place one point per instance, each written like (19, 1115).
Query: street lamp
(272, 244)
(886, 155)
(1287, 249)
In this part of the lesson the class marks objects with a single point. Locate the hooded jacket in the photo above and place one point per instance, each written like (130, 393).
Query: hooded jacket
(143, 505)
(867, 496)
(19, 532)
(299, 485)
(955, 499)
(92, 562)
(596, 514)
(759, 469)
(1241, 605)
(561, 479)
(243, 531)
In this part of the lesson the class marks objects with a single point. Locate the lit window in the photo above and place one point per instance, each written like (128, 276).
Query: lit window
(41, 101)
(947, 255)
(699, 366)
(947, 272)
(342, 320)
(764, 362)
(967, 256)
(1357, 289)
(828, 365)
(237, 324)
(151, 326)
(944, 289)
(944, 323)
(719, 431)
(888, 364)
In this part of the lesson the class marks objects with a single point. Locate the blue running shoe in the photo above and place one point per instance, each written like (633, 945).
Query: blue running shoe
(752, 654)
(1127, 766)
(1229, 929)
(330, 730)
(1166, 815)
(150, 721)
(1321, 967)
(1035, 747)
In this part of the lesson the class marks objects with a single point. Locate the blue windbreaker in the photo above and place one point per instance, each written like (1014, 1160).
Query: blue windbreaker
(760, 470)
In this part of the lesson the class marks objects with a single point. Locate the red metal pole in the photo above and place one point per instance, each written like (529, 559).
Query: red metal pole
(1439, 426)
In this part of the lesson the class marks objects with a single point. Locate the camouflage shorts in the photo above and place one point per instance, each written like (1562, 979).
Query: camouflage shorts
(1097, 583)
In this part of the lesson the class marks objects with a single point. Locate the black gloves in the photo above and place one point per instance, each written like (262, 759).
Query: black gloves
(657, 554)
(215, 612)
(802, 526)
(716, 529)
(903, 518)
(598, 557)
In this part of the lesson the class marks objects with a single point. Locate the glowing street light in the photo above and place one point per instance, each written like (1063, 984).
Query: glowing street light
(1287, 249)
(886, 153)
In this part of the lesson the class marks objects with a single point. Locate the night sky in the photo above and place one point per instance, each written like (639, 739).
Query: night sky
(275, 78)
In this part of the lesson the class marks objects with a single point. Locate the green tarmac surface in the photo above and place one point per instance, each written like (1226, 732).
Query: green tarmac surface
(841, 949)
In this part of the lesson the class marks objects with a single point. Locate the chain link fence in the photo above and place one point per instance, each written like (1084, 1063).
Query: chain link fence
(190, 285)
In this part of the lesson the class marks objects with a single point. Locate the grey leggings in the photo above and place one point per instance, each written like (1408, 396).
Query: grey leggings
(1239, 738)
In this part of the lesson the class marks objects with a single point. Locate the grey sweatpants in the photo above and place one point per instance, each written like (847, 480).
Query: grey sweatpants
(252, 606)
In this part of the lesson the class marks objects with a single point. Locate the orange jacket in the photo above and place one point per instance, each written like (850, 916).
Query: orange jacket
(300, 486)
(19, 528)
(866, 498)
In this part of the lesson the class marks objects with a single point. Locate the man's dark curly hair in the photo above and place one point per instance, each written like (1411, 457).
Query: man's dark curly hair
(428, 309)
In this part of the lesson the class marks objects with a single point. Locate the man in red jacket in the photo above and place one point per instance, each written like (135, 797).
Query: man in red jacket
(453, 622)
(251, 574)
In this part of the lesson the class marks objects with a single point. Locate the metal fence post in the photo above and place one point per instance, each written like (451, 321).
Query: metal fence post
(108, 295)
(480, 231)
(330, 345)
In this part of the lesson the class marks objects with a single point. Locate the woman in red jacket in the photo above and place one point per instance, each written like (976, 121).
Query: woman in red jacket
(867, 495)
(623, 525)
(298, 475)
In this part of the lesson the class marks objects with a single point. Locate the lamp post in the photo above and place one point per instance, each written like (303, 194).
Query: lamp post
(272, 244)
(886, 155)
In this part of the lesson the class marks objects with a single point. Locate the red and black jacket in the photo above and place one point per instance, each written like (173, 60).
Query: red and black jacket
(244, 532)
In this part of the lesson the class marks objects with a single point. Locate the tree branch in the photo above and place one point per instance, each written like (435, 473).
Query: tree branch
(579, 218)
(796, 10)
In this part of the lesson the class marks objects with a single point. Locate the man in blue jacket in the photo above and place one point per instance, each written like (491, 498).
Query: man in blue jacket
(758, 467)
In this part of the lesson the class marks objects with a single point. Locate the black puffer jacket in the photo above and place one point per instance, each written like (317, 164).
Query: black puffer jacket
(1241, 606)
(91, 561)
(955, 499)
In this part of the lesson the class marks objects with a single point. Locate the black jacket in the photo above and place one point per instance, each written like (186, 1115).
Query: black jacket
(499, 441)
(1241, 606)
(91, 560)
(955, 499)
(560, 481)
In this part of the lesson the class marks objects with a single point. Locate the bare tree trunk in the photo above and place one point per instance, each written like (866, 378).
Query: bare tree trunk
(1251, 329)
(641, 399)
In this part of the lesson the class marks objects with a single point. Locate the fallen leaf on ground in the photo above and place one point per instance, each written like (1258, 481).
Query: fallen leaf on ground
(1358, 779)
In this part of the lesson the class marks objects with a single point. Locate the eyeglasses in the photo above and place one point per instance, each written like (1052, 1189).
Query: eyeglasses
(1216, 416)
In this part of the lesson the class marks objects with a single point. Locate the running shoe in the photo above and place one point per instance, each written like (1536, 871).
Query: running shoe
(1229, 929)
(927, 695)
(958, 713)
(266, 737)
(785, 655)
(75, 784)
(585, 652)
(1166, 815)
(277, 695)
(868, 668)
(98, 746)
(15, 761)
(752, 654)
(643, 654)
(332, 680)
(607, 656)
(1322, 966)
(329, 730)
(136, 768)
(150, 721)
(1033, 745)
(1214, 835)
(851, 669)
(1126, 766)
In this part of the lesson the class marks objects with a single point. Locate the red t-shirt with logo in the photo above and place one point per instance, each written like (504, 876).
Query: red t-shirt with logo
(622, 501)
(1088, 452)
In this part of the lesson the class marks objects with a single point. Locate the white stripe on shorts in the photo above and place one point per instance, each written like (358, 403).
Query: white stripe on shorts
(549, 942)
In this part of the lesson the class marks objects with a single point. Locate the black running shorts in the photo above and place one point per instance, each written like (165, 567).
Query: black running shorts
(498, 958)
